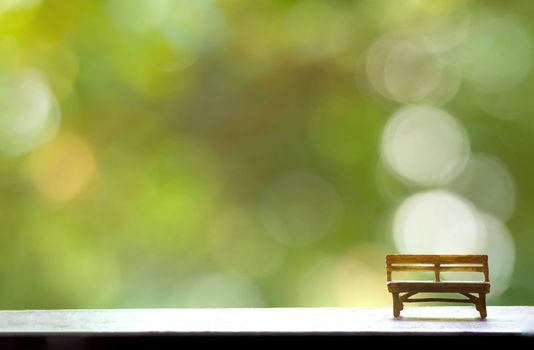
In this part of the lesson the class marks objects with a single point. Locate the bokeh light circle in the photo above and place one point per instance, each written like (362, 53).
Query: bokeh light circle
(500, 248)
(487, 182)
(411, 70)
(425, 145)
(63, 169)
(496, 53)
(501, 251)
(29, 113)
(437, 222)
(448, 32)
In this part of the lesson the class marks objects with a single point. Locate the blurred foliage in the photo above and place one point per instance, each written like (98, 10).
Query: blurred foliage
(175, 153)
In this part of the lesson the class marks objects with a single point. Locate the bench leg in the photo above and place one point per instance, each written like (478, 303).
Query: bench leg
(481, 307)
(397, 306)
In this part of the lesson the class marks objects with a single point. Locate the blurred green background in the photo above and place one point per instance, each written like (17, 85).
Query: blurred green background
(175, 153)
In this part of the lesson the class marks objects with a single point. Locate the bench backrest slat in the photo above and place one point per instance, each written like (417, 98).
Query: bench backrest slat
(436, 259)
(437, 263)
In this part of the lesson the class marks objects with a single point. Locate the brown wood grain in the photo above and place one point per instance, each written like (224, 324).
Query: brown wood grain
(438, 264)
(439, 287)
(438, 268)
(433, 259)
(456, 300)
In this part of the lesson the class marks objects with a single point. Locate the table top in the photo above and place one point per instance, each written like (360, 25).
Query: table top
(439, 320)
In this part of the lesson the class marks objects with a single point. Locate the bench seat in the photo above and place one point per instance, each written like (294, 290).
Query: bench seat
(473, 292)
(438, 287)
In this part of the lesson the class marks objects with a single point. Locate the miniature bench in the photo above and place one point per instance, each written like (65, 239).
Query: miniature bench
(437, 264)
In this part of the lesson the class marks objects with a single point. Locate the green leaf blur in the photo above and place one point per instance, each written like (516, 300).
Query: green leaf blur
(225, 153)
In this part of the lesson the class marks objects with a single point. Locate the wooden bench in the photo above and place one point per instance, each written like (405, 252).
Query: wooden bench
(437, 264)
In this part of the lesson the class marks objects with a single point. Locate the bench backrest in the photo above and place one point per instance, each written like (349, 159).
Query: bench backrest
(437, 263)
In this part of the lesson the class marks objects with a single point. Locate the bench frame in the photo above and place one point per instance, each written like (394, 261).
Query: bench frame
(437, 264)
